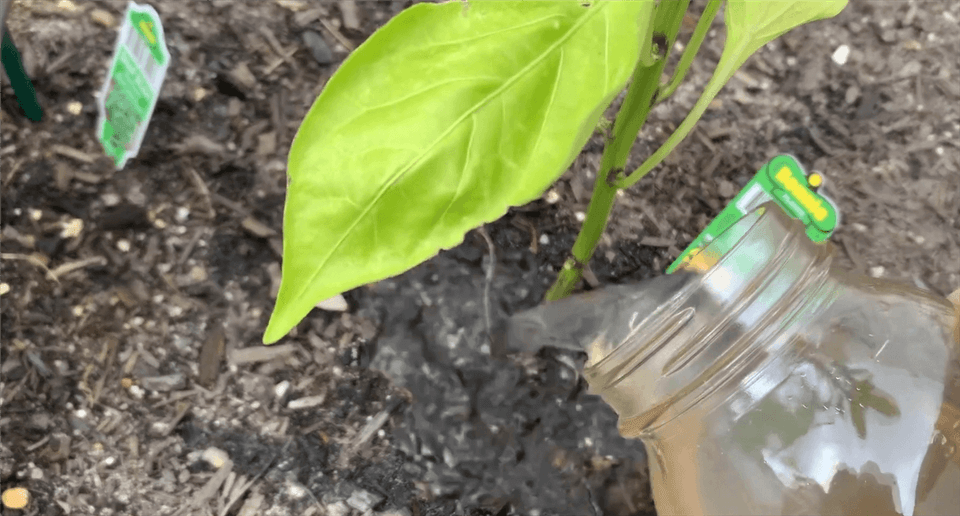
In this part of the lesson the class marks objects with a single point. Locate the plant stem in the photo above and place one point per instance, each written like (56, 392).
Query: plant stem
(693, 46)
(633, 113)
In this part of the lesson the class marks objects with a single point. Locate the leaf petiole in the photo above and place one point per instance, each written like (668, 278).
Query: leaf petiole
(693, 46)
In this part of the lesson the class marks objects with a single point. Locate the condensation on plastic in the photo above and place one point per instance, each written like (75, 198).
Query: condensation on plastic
(776, 383)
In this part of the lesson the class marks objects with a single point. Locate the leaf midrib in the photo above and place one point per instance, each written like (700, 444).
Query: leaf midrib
(476, 107)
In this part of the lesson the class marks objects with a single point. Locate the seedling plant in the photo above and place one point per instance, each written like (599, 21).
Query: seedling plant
(451, 113)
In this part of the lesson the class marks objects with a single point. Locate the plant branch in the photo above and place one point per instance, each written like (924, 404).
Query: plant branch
(633, 113)
(724, 70)
(693, 46)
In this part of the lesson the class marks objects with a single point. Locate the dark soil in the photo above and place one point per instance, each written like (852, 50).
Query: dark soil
(131, 350)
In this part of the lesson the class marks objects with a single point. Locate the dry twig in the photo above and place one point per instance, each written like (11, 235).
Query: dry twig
(79, 264)
(340, 37)
(32, 259)
(489, 279)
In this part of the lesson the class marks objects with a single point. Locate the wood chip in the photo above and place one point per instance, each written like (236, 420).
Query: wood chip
(349, 15)
(62, 176)
(103, 18)
(36, 259)
(70, 152)
(211, 354)
(307, 402)
(200, 144)
(368, 430)
(590, 277)
(336, 33)
(277, 117)
(242, 74)
(79, 264)
(209, 490)
(201, 186)
(255, 354)
(661, 226)
(251, 507)
(267, 144)
(304, 18)
(277, 47)
(257, 228)
(334, 304)
(86, 177)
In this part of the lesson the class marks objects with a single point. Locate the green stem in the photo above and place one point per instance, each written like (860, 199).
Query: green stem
(725, 69)
(693, 46)
(633, 113)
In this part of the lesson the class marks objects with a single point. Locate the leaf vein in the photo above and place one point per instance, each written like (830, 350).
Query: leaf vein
(476, 107)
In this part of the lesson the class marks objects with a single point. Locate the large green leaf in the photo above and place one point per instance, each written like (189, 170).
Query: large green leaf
(751, 24)
(439, 122)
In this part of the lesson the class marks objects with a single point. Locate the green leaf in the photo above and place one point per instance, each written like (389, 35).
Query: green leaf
(439, 122)
(751, 24)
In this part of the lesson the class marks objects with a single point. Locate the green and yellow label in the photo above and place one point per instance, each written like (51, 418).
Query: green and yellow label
(782, 180)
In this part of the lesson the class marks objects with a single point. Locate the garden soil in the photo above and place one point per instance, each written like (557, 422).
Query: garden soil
(134, 300)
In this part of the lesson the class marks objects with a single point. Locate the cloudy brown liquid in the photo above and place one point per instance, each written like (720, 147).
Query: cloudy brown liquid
(870, 492)
(854, 429)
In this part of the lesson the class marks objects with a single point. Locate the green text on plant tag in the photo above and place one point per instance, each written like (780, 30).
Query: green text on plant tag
(784, 181)
(137, 70)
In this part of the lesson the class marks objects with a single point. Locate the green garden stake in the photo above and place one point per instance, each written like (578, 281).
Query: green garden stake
(139, 65)
(22, 87)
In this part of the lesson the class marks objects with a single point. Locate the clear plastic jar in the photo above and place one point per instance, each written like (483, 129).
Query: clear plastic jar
(774, 383)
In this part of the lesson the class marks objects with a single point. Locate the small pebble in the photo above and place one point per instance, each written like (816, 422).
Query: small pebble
(4, 288)
(296, 491)
(103, 17)
(552, 197)
(74, 108)
(281, 389)
(137, 392)
(16, 498)
(852, 94)
(199, 94)
(580, 216)
(876, 272)
(318, 47)
(110, 199)
(72, 228)
(841, 54)
(123, 245)
(66, 6)
(363, 501)
(215, 457)
(198, 273)
(544, 239)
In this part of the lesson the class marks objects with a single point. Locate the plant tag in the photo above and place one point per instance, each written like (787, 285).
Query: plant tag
(137, 70)
(783, 181)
